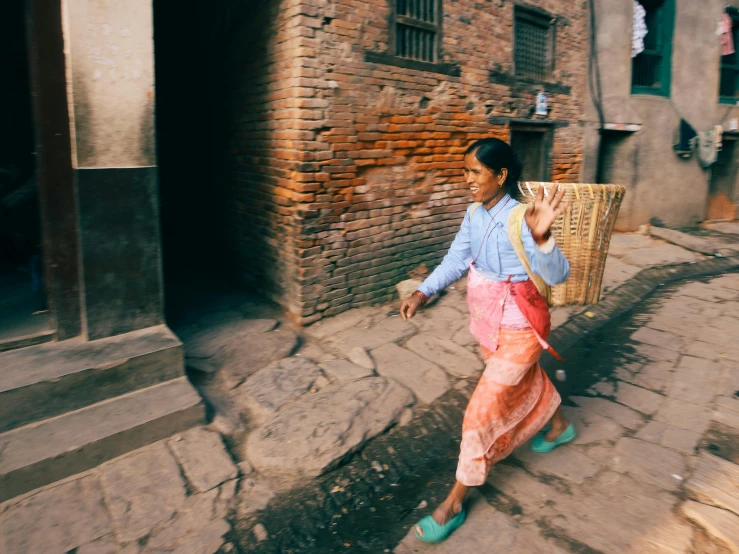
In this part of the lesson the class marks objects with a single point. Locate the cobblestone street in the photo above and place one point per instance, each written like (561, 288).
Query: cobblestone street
(653, 469)
(349, 433)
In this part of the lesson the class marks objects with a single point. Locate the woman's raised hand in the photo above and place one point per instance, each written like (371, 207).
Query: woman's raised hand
(542, 213)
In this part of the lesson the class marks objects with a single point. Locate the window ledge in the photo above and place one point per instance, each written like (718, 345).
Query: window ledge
(726, 100)
(501, 78)
(450, 69)
(647, 91)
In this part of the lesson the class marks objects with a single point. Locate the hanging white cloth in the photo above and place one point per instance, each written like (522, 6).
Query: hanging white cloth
(639, 29)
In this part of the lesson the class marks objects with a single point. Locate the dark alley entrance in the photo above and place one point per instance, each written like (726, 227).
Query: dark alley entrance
(209, 175)
(192, 198)
(22, 295)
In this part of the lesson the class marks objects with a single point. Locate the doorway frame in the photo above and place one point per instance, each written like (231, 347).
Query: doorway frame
(545, 129)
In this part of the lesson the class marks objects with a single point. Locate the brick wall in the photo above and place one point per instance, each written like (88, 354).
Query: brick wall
(348, 172)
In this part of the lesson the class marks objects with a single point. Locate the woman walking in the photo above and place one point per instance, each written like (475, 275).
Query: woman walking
(514, 399)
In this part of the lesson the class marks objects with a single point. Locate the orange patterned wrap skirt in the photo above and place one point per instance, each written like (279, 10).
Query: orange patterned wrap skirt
(512, 402)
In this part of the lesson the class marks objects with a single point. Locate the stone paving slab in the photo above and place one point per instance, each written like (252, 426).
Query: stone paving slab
(655, 376)
(361, 357)
(385, 331)
(669, 535)
(196, 527)
(442, 322)
(611, 513)
(704, 245)
(568, 464)
(726, 416)
(209, 342)
(720, 523)
(203, 458)
(246, 358)
(142, 490)
(651, 353)
(641, 400)
(623, 243)
(108, 545)
(316, 432)
(620, 414)
(455, 359)
(658, 338)
(715, 481)
(659, 254)
(55, 519)
(427, 380)
(281, 382)
(728, 227)
(616, 273)
(343, 371)
(592, 427)
(671, 437)
(649, 463)
(704, 291)
(684, 415)
(696, 381)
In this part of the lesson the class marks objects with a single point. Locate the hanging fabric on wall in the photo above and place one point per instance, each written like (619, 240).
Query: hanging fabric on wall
(639, 29)
(727, 35)
(707, 145)
(719, 130)
(684, 144)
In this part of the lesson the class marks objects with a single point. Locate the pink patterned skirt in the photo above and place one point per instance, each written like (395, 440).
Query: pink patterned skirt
(512, 402)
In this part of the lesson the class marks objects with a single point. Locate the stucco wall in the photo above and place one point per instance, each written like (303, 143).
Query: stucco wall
(660, 184)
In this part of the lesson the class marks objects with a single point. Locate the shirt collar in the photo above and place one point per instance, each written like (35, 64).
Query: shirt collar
(502, 207)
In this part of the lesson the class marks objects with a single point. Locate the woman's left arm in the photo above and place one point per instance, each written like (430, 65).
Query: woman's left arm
(546, 259)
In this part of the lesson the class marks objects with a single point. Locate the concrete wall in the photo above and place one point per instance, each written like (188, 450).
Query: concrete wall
(660, 185)
(109, 58)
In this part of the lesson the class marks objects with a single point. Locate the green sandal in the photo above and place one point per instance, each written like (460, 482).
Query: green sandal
(542, 446)
(433, 532)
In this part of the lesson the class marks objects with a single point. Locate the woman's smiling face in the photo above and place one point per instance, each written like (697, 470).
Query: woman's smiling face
(484, 183)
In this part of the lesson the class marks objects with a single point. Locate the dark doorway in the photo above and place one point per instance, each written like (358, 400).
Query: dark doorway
(191, 199)
(199, 103)
(22, 294)
(532, 146)
(722, 191)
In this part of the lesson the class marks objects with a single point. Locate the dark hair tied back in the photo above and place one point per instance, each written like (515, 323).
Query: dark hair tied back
(496, 154)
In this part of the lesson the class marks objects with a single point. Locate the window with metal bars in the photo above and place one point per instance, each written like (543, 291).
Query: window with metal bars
(729, 84)
(533, 45)
(416, 29)
(650, 69)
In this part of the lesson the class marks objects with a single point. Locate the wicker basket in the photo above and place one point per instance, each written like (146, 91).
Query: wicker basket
(583, 233)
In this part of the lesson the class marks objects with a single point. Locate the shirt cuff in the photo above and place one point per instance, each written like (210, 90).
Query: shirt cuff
(547, 247)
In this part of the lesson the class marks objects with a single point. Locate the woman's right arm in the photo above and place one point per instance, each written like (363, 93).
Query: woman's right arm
(453, 266)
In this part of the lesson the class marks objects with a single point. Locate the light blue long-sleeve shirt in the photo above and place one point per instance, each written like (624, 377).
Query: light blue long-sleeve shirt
(497, 259)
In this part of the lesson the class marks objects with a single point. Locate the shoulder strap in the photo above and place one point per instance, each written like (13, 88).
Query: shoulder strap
(515, 222)
(474, 207)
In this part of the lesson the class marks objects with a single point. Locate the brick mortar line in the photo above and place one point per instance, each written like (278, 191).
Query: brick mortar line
(297, 515)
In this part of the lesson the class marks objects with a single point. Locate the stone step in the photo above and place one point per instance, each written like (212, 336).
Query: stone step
(50, 450)
(46, 380)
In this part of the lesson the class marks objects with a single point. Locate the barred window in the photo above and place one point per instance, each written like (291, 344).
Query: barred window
(417, 25)
(650, 72)
(533, 50)
(728, 89)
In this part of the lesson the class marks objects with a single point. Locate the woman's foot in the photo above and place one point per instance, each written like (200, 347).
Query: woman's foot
(557, 428)
(541, 443)
(438, 526)
(443, 514)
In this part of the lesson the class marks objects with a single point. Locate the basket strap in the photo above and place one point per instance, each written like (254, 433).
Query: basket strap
(474, 207)
(515, 224)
